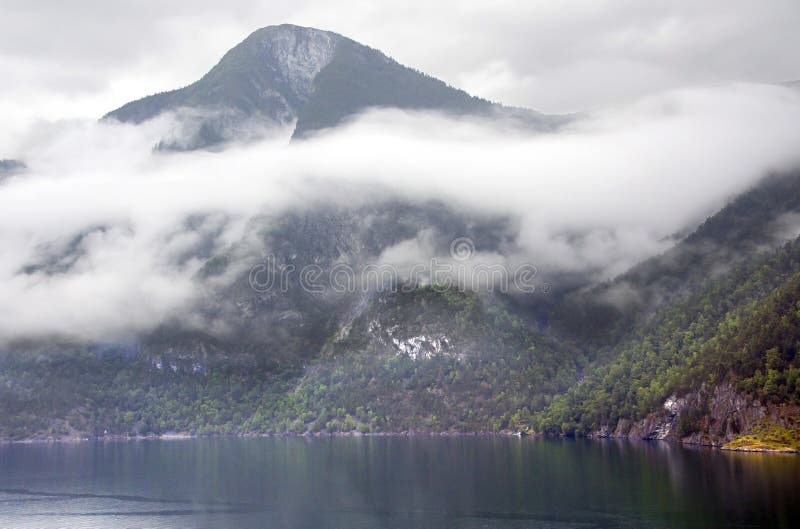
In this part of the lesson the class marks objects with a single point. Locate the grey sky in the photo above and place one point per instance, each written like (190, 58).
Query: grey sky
(81, 58)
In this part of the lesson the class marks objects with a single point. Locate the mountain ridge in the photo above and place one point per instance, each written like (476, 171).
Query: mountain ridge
(314, 78)
(711, 322)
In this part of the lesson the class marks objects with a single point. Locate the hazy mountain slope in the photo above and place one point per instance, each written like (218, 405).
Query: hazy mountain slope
(727, 356)
(429, 359)
(270, 73)
(243, 358)
(284, 73)
(283, 346)
(755, 222)
(424, 360)
(287, 323)
(435, 360)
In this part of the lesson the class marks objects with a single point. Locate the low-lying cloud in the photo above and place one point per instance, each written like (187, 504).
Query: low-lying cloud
(97, 238)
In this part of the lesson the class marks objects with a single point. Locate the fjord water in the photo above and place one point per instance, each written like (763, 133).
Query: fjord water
(394, 482)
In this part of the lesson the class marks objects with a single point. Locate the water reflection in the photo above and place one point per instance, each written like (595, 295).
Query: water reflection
(394, 482)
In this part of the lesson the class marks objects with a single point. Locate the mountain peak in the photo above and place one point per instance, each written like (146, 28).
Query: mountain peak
(317, 79)
(281, 31)
(296, 54)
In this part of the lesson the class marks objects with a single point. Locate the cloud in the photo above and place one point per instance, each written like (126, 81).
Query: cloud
(103, 237)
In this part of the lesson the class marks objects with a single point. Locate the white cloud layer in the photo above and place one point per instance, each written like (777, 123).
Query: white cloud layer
(595, 198)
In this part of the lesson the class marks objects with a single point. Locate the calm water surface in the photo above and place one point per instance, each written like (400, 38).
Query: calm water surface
(398, 482)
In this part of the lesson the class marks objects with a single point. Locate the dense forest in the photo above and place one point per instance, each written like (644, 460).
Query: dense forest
(742, 329)
(356, 386)
(720, 310)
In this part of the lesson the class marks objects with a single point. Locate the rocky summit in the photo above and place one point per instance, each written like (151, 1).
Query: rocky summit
(305, 78)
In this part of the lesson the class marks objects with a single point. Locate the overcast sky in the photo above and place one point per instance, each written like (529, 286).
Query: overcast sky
(82, 58)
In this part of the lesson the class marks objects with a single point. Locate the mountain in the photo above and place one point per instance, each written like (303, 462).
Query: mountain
(699, 344)
(280, 75)
(755, 222)
(290, 325)
(720, 352)
(288, 351)
(720, 367)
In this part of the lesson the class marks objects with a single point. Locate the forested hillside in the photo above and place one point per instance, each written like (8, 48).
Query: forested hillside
(720, 351)
(742, 330)
(441, 360)
(753, 223)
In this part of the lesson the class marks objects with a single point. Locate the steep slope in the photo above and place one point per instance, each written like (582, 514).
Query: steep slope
(270, 74)
(423, 360)
(359, 77)
(282, 347)
(757, 221)
(284, 74)
(720, 364)
(286, 322)
(432, 360)
(722, 358)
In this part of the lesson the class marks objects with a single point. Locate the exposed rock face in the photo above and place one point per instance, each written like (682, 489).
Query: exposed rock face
(419, 325)
(729, 414)
(707, 417)
(419, 346)
(298, 54)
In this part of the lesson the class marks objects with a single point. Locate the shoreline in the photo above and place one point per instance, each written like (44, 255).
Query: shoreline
(186, 436)
(761, 450)
(67, 440)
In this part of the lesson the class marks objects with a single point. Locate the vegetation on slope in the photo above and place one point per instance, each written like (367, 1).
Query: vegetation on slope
(743, 328)
(768, 436)
(489, 371)
(490, 379)
(752, 224)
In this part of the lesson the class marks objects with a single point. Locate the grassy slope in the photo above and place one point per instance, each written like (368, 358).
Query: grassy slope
(768, 436)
